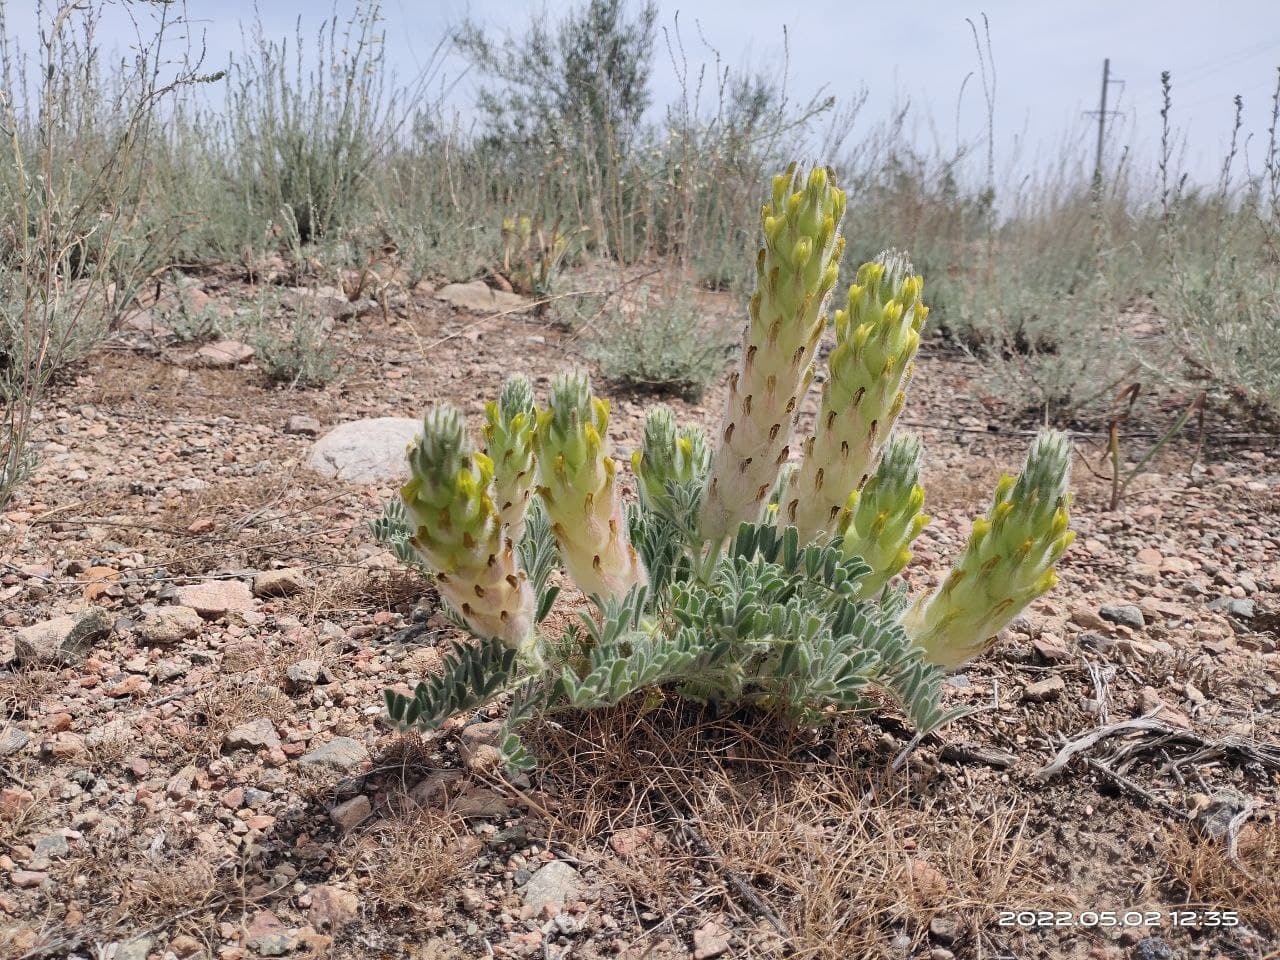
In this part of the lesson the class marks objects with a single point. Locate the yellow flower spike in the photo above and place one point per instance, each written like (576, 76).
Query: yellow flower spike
(1007, 563)
(876, 340)
(458, 531)
(583, 501)
(795, 272)
(879, 522)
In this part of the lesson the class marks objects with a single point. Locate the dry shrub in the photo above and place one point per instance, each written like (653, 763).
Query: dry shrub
(404, 863)
(1250, 885)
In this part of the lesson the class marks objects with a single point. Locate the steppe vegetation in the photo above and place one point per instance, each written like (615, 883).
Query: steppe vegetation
(257, 704)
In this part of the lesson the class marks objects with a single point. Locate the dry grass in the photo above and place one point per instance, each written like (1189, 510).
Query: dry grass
(404, 863)
(845, 854)
(24, 687)
(227, 704)
(1211, 881)
(360, 591)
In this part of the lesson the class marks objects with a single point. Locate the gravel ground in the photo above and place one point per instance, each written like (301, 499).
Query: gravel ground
(198, 630)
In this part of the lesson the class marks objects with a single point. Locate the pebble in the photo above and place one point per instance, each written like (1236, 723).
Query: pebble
(1125, 614)
(253, 735)
(63, 640)
(1044, 691)
(166, 626)
(303, 426)
(281, 583)
(351, 813)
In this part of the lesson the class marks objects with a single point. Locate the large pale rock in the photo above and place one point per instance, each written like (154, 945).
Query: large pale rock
(215, 598)
(366, 451)
(169, 625)
(556, 883)
(478, 297)
(341, 755)
(62, 640)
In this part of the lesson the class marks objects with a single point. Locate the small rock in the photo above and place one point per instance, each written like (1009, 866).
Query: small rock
(302, 426)
(1235, 607)
(63, 640)
(1152, 948)
(136, 949)
(48, 847)
(341, 755)
(627, 843)
(1125, 614)
(281, 583)
(268, 937)
(169, 625)
(352, 813)
(481, 803)
(478, 297)
(303, 675)
(556, 883)
(215, 598)
(1085, 617)
(479, 750)
(254, 735)
(366, 451)
(941, 953)
(28, 879)
(1213, 821)
(223, 354)
(1044, 691)
(1050, 650)
(185, 946)
(944, 930)
(332, 907)
(927, 880)
(179, 784)
(12, 740)
(710, 940)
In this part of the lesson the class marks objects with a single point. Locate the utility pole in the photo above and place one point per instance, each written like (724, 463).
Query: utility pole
(1102, 113)
(1102, 119)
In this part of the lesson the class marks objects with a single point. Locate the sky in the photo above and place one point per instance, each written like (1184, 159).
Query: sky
(1047, 57)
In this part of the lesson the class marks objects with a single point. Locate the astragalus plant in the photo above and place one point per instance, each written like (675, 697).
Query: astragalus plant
(757, 567)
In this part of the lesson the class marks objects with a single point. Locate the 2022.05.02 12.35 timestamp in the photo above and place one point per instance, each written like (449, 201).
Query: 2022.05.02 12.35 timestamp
(1118, 918)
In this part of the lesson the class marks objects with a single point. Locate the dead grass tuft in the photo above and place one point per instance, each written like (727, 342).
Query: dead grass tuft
(404, 863)
(1250, 886)
(842, 851)
(227, 704)
(363, 591)
(24, 687)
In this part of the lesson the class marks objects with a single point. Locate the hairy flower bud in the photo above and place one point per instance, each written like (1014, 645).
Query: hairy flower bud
(578, 483)
(458, 531)
(670, 455)
(508, 436)
(796, 270)
(882, 519)
(1007, 563)
(877, 336)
